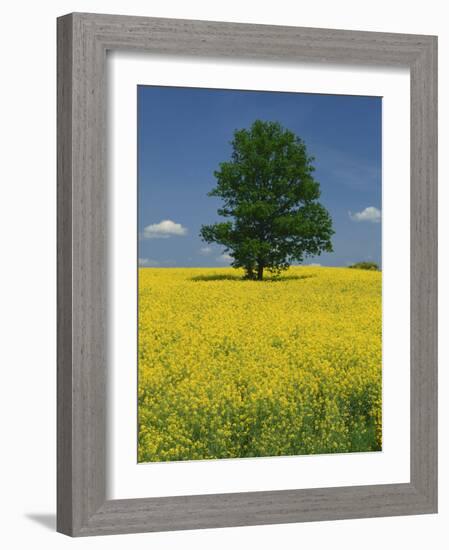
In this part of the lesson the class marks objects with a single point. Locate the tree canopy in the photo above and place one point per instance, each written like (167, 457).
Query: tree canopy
(270, 200)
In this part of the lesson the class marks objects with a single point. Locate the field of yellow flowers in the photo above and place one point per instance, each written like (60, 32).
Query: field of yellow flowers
(236, 368)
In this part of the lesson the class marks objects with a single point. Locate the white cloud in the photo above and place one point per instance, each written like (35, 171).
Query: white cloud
(163, 230)
(224, 259)
(205, 250)
(314, 265)
(146, 262)
(370, 214)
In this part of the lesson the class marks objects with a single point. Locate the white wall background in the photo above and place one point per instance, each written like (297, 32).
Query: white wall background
(27, 287)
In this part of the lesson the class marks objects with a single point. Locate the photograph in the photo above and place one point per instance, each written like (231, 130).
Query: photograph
(220, 293)
(259, 274)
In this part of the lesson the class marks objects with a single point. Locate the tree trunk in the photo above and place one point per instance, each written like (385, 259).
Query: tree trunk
(249, 273)
(259, 272)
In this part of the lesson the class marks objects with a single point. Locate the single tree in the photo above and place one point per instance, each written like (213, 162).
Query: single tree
(271, 200)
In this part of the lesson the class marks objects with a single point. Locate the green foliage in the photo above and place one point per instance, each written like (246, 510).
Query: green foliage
(271, 200)
(370, 266)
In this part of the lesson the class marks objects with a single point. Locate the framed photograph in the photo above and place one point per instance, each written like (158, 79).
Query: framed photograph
(247, 274)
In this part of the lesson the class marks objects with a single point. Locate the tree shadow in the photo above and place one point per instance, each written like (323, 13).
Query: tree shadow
(239, 278)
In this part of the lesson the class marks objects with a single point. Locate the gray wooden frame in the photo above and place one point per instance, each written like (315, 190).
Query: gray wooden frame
(83, 40)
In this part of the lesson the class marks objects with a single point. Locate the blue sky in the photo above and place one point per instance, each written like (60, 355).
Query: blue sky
(184, 133)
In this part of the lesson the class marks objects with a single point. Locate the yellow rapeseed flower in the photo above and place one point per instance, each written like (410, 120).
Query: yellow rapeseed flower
(234, 368)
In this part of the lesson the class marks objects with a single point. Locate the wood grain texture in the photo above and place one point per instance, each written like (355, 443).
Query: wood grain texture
(83, 40)
(64, 277)
(423, 288)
